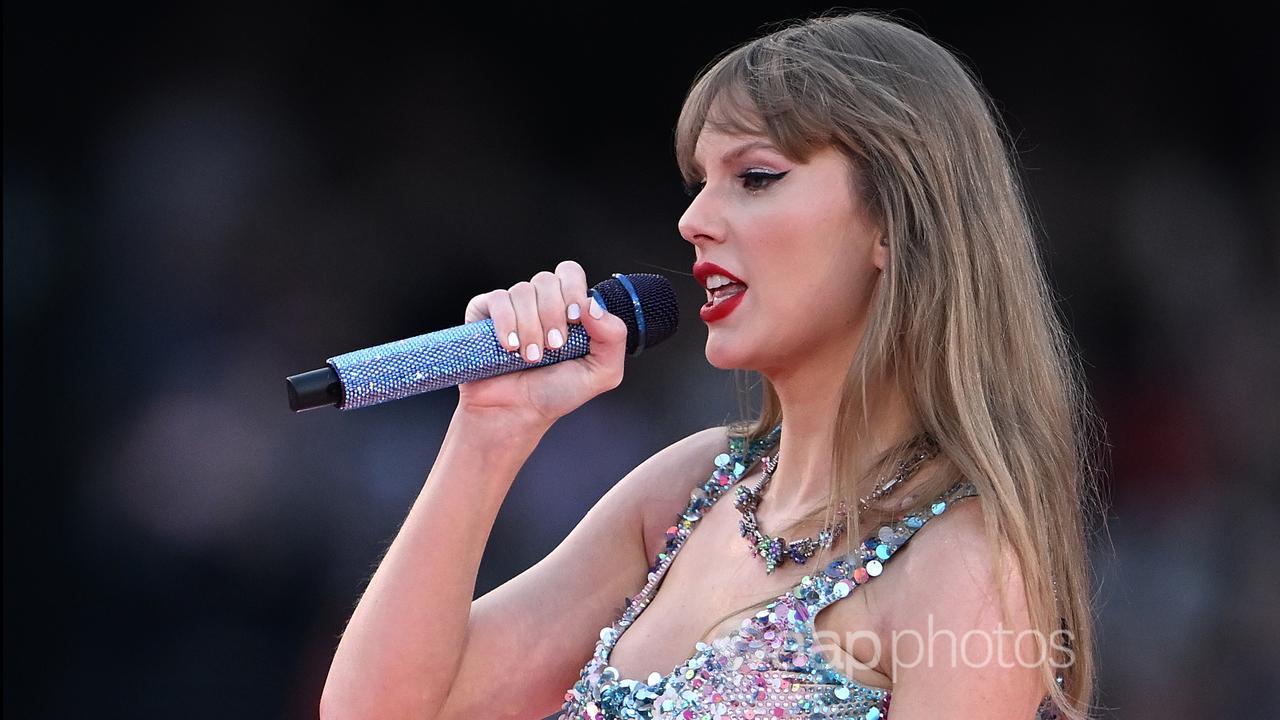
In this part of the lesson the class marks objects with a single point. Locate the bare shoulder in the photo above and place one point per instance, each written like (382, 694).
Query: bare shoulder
(665, 480)
(950, 605)
(960, 531)
(951, 572)
(667, 470)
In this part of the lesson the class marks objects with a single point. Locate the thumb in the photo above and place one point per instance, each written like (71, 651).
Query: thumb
(608, 332)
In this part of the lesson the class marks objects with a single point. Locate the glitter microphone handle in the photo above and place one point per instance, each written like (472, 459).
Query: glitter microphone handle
(438, 360)
(645, 302)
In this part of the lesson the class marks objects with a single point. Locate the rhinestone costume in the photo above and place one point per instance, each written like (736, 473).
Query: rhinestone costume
(768, 667)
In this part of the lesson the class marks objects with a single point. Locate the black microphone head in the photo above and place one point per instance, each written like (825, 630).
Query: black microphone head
(658, 316)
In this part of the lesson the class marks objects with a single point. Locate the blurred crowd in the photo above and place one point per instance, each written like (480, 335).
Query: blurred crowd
(198, 204)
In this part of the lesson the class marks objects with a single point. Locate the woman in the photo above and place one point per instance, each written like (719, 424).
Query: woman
(919, 455)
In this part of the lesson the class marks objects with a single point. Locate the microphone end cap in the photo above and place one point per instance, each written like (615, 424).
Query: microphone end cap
(313, 389)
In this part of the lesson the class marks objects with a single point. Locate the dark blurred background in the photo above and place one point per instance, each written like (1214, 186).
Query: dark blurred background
(199, 202)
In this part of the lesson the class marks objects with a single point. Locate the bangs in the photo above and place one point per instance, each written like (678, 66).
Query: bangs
(756, 89)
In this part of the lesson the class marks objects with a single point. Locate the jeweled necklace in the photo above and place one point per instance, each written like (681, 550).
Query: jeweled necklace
(776, 550)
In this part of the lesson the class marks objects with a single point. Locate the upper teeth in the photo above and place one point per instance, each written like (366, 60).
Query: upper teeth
(716, 281)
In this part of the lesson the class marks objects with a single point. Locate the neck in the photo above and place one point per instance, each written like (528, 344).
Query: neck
(810, 398)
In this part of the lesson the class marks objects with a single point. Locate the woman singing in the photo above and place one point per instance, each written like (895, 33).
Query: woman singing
(861, 232)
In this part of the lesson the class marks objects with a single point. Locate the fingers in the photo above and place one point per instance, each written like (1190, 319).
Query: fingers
(573, 287)
(524, 298)
(551, 310)
(496, 304)
(533, 316)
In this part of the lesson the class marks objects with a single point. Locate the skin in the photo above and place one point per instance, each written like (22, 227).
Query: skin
(811, 259)
(811, 256)
(418, 646)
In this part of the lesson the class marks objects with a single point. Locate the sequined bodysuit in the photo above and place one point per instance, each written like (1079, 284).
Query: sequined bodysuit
(767, 667)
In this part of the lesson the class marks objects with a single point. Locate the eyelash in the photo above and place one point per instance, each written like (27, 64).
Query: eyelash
(748, 177)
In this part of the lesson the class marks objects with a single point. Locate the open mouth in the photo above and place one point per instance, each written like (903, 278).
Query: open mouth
(724, 292)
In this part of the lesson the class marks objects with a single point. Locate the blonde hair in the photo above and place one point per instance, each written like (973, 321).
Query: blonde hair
(963, 311)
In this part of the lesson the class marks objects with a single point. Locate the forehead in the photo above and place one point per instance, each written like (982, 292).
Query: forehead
(716, 146)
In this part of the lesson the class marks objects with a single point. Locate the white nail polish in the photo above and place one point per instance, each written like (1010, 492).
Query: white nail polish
(513, 339)
(533, 353)
(575, 312)
(554, 338)
(597, 312)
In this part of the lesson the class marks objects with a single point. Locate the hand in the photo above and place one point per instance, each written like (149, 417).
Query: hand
(536, 311)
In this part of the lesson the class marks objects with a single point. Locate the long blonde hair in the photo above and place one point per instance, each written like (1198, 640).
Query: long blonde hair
(963, 311)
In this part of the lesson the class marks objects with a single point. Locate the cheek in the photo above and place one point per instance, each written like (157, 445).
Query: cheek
(811, 263)
(817, 290)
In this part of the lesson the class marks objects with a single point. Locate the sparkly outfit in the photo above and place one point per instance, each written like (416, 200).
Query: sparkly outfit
(768, 667)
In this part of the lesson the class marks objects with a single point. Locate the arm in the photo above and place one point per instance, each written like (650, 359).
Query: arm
(534, 633)
(402, 645)
(417, 646)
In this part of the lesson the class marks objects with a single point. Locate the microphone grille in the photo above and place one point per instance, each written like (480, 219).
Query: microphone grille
(657, 305)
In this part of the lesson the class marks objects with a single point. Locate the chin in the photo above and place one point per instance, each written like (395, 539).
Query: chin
(721, 365)
(726, 357)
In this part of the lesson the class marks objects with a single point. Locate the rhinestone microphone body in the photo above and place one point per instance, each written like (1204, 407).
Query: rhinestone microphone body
(645, 302)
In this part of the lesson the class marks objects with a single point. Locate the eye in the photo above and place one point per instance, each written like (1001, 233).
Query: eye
(756, 180)
(691, 188)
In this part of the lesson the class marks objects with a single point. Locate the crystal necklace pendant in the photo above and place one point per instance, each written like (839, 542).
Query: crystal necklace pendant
(776, 550)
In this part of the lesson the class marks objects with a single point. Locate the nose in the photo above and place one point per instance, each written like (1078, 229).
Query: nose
(701, 222)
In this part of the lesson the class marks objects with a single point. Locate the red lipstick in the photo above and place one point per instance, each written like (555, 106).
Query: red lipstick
(715, 310)
(702, 270)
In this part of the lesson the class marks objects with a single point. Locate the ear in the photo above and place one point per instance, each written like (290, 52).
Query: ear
(880, 251)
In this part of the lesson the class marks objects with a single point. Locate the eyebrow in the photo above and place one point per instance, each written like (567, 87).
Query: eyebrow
(739, 151)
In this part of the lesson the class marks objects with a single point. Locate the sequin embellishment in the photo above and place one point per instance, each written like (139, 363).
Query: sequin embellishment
(767, 668)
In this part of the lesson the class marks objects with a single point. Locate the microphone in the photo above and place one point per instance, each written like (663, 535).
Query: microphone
(646, 303)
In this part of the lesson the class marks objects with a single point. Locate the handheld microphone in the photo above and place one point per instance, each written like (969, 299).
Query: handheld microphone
(444, 358)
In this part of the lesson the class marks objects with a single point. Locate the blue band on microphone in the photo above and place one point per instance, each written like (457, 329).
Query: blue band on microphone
(635, 301)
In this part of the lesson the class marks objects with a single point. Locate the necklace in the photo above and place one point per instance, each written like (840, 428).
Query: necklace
(776, 550)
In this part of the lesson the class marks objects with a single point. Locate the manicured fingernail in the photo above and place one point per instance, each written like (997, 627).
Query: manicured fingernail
(596, 311)
(532, 352)
(575, 312)
(554, 338)
(513, 339)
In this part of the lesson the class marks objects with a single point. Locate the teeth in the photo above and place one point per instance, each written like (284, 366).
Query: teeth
(722, 293)
(716, 281)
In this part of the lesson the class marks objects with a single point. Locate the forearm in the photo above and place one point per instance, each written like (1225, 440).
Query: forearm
(404, 642)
